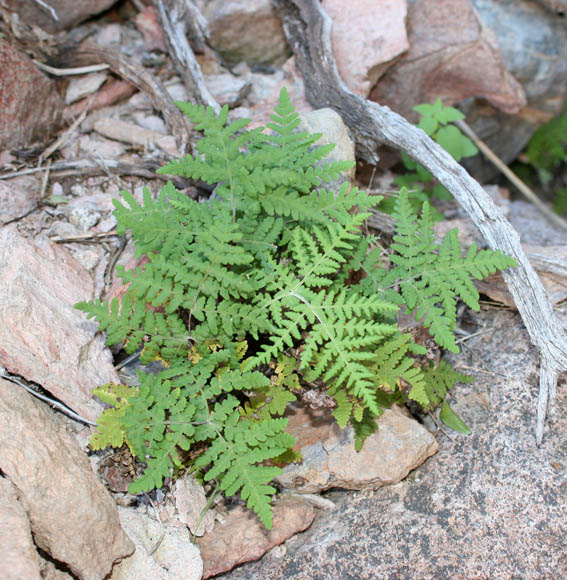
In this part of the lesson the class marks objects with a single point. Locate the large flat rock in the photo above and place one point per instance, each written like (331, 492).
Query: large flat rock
(42, 336)
(330, 460)
(19, 556)
(72, 516)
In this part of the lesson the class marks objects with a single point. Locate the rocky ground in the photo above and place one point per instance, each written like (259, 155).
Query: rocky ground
(491, 505)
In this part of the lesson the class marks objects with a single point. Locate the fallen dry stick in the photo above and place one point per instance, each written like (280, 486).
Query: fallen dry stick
(175, 19)
(308, 30)
(511, 176)
(135, 73)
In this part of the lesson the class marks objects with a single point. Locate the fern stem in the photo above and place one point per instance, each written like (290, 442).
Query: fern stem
(204, 511)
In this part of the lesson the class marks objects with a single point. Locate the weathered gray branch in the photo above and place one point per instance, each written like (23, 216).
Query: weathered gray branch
(177, 19)
(308, 30)
(130, 70)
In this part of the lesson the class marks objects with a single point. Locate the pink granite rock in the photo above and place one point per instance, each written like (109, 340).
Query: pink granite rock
(19, 556)
(42, 336)
(55, 15)
(368, 36)
(17, 199)
(30, 104)
(147, 23)
(330, 460)
(452, 55)
(73, 518)
(243, 538)
(246, 30)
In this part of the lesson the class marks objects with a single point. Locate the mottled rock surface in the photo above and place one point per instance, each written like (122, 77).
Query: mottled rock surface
(242, 537)
(227, 89)
(367, 38)
(67, 12)
(533, 44)
(17, 199)
(42, 336)
(19, 556)
(333, 129)
(32, 107)
(72, 516)
(330, 460)
(491, 505)
(190, 501)
(452, 55)
(246, 30)
(176, 558)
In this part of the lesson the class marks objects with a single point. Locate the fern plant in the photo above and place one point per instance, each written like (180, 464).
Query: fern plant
(250, 295)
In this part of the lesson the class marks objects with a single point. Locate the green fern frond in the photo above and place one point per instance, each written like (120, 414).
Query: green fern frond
(432, 277)
(273, 268)
(363, 428)
(110, 431)
(237, 452)
(438, 382)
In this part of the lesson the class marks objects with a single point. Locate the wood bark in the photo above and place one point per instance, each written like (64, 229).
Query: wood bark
(134, 72)
(308, 30)
(180, 19)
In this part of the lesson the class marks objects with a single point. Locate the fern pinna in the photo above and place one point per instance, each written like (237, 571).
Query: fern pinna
(248, 295)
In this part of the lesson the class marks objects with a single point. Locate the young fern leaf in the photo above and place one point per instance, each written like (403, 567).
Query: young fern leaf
(438, 381)
(238, 449)
(341, 325)
(431, 276)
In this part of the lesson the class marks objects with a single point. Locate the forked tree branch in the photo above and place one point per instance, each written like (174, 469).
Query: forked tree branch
(308, 30)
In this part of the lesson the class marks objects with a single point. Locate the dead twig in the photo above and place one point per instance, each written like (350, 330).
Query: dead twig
(146, 169)
(62, 72)
(44, 181)
(64, 137)
(174, 19)
(511, 176)
(134, 72)
(49, 9)
(112, 262)
(308, 31)
(53, 402)
(161, 528)
(85, 238)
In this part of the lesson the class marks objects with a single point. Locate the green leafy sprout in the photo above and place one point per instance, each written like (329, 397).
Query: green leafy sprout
(436, 120)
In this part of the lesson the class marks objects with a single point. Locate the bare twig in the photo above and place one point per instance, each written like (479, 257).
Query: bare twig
(112, 262)
(173, 16)
(511, 176)
(548, 264)
(308, 30)
(161, 528)
(146, 169)
(62, 72)
(45, 181)
(49, 9)
(64, 137)
(58, 405)
(135, 73)
(95, 238)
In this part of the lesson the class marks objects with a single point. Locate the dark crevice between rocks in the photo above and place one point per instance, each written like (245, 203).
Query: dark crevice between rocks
(39, 392)
(60, 566)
